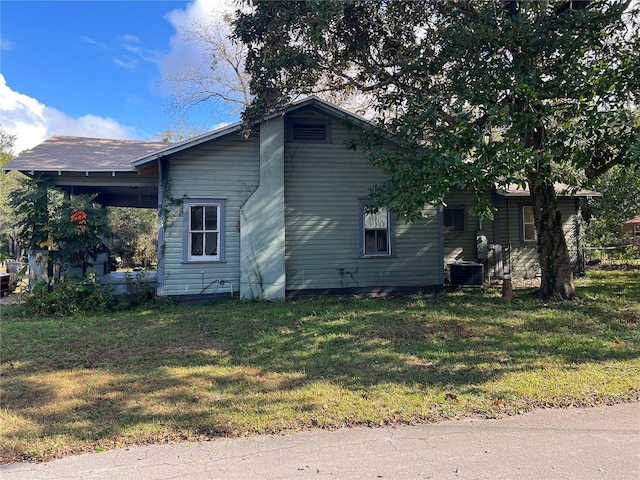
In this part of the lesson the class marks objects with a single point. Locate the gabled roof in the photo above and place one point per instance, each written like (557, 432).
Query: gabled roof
(141, 160)
(562, 189)
(81, 154)
(632, 221)
(307, 102)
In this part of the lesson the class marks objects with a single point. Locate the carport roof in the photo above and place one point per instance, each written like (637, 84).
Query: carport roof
(81, 154)
(562, 189)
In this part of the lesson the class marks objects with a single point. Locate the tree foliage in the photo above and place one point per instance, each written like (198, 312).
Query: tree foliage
(620, 189)
(74, 228)
(8, 182)
(135, 236)
(478, 94)
(225, 78)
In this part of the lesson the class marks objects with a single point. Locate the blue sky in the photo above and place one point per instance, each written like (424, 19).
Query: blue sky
(95, 68)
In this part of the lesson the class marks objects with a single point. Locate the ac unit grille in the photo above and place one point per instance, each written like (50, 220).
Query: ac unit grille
(466, 274)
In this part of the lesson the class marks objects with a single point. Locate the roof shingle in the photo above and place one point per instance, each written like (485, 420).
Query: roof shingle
(81, 154)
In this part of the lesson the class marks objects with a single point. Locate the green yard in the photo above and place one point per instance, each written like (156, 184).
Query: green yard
(168, 374)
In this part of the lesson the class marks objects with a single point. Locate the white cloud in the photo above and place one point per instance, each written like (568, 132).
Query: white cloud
(129, 65)
(97, 45)
(6, 44)
(183, 49)
(33, 122)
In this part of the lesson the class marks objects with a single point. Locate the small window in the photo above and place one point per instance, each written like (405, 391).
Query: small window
(376, 232)
(454, 219)
(528, 224)
(204, 239)
(636, 231)
(309, 130)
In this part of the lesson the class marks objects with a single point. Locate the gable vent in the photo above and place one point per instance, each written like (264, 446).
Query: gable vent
(310, 131)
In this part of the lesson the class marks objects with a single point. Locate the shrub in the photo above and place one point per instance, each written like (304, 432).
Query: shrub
(81, 295)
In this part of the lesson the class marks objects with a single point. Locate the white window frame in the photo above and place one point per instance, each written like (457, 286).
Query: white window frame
(189, 204)
(528, 224)
(366, 226)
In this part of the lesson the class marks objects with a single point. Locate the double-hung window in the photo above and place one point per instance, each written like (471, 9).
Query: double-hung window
(528, 224)
(204, 232)
(376, 231)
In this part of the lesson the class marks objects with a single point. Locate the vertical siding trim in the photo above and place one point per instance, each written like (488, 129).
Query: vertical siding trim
(508, 269)
(440, 215)
(161, 246)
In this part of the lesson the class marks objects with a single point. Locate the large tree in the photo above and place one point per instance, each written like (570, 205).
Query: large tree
(479, 93)
(222, 79)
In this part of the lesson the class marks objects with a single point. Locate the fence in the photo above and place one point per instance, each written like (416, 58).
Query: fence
(620, 253)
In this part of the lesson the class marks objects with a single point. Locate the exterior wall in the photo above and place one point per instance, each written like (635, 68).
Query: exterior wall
(323, 185)
(523, 256)
(462, 246)
(631, 231)
(228, 169)
(504, 236)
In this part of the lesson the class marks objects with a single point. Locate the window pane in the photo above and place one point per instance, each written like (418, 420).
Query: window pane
(453, 219)
(381, 243)
(211, 245)
(375, 241)
(376, 220)
(197, 240)
(529, 232)
(196, 217)
(369, 241)
(527, 213)
(211, 218)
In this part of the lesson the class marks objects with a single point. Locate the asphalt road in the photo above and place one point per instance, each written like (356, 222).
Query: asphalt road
(581, 444)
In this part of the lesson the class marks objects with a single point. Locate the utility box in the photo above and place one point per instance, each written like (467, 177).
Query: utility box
(482, 246)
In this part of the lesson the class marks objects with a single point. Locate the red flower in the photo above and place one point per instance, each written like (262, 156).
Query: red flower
(80, 217)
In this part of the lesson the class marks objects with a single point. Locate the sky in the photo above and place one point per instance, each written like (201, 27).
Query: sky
(95, 68)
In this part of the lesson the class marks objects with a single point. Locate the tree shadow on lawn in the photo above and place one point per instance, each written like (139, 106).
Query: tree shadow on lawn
(435, 341)
(305, 363)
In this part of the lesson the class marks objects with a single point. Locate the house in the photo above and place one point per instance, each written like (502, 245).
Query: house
(283, 210)
(631, 231)
(509, 240)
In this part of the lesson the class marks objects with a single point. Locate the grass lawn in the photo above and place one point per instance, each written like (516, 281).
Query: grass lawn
(167, 374)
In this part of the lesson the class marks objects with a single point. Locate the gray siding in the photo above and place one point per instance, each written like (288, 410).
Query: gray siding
(462, 246)
(505, 230)
(523, 256)
(323, 185)
(227, 168)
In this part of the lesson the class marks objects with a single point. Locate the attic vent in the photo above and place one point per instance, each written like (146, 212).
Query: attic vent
(318, 131)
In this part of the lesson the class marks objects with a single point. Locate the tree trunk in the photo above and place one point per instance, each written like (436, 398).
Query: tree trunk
(555, 263)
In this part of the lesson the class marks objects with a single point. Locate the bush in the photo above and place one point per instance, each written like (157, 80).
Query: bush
(67, 297)
(76, 295)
